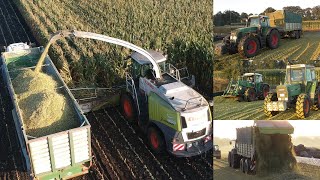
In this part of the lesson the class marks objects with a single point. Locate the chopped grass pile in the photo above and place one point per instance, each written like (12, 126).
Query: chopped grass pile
(44, 110)
(274, 153)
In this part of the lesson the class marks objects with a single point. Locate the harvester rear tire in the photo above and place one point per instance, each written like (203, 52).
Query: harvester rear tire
(273, 39)
(250, 95)
(248, 46)
(270, 98)
(128, 107)
(303, 106)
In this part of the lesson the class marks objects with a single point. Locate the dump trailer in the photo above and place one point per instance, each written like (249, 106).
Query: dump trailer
(244, 154)
(249, 87)
(288, 23)
(261, 32)
(60, 155)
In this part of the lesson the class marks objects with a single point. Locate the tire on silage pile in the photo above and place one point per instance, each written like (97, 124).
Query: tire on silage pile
(44, 110)
(274, 153)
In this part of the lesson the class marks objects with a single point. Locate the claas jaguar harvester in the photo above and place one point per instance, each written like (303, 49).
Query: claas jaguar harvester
(249, 144)
(261, 31)
(300, 91)
(173, 116)
(249, 87)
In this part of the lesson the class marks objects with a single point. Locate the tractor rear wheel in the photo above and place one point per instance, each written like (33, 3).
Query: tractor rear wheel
(247, 164)
(250, 95)
(229, 158)
(235, 163)
(303, 106)
(248, 46)
(241, 165)
(273, 39)
(155, 140)
(269, 98)
(128, 107)
(265, 90)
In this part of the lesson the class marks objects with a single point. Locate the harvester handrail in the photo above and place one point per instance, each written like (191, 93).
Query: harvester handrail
(90, 35)
(132, 88)
(187, 102)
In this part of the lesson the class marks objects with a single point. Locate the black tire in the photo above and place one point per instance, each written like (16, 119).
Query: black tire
(241, 165)
(296, 34)
(156, 140)
(248, 46)
(273, 39)
(250, 95)
(270, 98)
(247, 165)
(235, 163)
(303, 106)
(264, 92)
(316, 105)
(229, 159)
(128, 107)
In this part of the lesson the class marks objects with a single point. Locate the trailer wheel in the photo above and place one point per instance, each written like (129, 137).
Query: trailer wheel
(155, 140)
(128, 107)
(269, 98)
(248, 46)
(241, 165)
(250, 95)
(303, 106)
(273, 39)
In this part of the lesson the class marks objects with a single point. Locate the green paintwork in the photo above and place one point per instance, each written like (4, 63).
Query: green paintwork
(69, 171)
(160, 110)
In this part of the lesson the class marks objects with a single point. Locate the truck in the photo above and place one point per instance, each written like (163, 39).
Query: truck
(172, 115)
(249, 87)
(244, 154)
(261, 31)
(300, 90)
(60, 155)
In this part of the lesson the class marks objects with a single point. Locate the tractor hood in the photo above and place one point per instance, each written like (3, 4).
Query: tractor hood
(244, 30)
(182, 97)
(274, 127)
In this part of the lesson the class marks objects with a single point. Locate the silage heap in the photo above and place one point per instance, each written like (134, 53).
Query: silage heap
(44, 110)
(274, 153)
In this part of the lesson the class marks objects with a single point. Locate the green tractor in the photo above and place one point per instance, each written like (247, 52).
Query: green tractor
(301, 91)
(248, 88)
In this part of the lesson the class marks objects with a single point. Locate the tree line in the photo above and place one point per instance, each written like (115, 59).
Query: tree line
(227, 17)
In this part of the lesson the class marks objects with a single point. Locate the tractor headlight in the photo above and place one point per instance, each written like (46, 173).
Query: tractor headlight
(233, 37)
(240, 88)
(282, 95)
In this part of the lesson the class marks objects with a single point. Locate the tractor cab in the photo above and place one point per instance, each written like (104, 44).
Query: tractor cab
(258, 21)
(252, 78)
(300, 74)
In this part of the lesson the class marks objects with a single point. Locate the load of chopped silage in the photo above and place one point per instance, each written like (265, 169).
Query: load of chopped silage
(274, 153)
(44, 110)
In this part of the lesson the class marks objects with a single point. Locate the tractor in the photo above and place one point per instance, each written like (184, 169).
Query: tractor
(300, 91)
(248, 88)
(216, 152)
(172, 115)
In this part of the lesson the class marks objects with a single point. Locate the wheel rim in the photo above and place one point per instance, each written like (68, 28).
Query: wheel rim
(306, 106)
(154, 140)
(127, 108)
(252, 47)
(274, 41)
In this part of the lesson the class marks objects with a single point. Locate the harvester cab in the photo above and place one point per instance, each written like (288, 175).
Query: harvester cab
(249, 87)
(301, 90)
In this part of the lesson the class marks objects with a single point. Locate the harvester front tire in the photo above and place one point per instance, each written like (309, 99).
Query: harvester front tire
(273, 39)
(248, 46)
(303, 106)
(269, 98)
(128, 107)
(155, 140)
(250, 95)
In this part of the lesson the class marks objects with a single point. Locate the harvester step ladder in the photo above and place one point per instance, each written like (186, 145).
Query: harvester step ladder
(131, 88)
(231, 88)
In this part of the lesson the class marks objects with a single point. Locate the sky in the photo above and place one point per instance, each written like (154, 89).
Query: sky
(227, 128)
(258, 6)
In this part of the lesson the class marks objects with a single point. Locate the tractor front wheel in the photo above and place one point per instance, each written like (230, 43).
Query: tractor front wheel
(303, 106)
(128, 107)
(155, 140)
(248, 46)
(269, 98)
(250, 95)
(273, 39)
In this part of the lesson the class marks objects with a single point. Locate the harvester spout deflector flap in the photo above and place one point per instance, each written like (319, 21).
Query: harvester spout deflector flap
(274, 127)
(90, 35)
